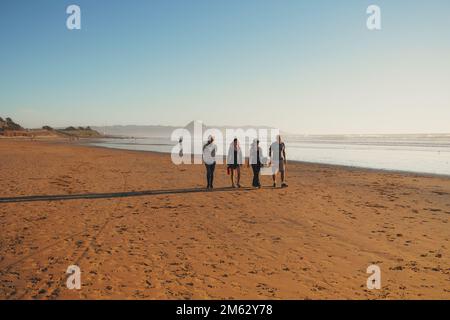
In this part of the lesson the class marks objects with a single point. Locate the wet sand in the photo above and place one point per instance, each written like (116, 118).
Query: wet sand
(152, 232)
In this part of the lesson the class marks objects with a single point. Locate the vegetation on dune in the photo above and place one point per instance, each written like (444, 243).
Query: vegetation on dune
(80, 132)
(9, 128)
(9, 124)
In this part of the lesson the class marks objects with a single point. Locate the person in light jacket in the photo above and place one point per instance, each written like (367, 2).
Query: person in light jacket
(209, 158)
(277, 154)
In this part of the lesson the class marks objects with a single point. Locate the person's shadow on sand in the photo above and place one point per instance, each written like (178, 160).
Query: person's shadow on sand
(116, 194)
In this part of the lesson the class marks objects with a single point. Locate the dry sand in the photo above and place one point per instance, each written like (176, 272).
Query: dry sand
(313, 240)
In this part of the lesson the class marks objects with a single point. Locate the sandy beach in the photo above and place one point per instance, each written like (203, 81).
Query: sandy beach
(151, 231)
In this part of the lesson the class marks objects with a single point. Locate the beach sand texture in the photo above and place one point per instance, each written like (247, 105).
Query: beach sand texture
(313, 240)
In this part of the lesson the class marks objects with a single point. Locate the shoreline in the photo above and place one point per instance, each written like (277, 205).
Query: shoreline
(85, 143)
(401, 172)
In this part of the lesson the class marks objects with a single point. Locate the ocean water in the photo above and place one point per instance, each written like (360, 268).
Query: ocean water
(410, 153)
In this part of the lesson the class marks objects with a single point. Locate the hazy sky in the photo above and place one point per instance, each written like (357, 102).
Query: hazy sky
(302, 66)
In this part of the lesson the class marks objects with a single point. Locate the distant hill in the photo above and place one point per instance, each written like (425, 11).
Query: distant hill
(160, 131)
(134, 130)
(9, 128)
(79, 132)
(191, 125)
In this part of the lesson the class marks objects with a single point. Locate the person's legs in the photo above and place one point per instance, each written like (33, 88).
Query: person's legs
(254, 168)
(238, 176)
(211, 179)
(283, 176)
(258, 169)
(232, 176)
(208, 174)
(275, 166)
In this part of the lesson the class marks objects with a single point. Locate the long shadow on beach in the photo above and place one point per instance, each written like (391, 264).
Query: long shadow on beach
(114, 195)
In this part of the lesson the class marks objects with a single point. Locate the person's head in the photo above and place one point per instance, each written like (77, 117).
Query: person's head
(257, 143)
(279, 138)
(235, 142)
(210, 139)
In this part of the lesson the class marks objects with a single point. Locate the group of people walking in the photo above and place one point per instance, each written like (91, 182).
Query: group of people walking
(234, 161)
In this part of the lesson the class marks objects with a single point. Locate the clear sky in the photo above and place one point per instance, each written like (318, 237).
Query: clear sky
(302, 66)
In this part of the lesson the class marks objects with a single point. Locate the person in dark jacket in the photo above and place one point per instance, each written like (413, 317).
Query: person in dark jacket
(255, 158)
